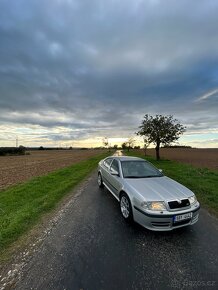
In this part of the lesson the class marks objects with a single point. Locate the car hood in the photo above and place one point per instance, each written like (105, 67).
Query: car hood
(158, 188)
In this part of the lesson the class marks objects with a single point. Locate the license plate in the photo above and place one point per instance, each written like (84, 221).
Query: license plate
(182, 217)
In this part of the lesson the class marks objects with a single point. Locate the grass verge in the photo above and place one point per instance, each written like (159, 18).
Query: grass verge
(202, 181)
(21, 206)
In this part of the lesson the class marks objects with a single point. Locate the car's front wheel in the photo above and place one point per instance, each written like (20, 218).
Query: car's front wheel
(126, 207)
(100, 181)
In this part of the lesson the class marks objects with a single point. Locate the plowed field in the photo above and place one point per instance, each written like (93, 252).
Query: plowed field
(17, 169)
(197, 157)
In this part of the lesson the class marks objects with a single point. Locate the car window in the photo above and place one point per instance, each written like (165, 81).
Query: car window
(107, 162)
(115, 165)
(139, 169)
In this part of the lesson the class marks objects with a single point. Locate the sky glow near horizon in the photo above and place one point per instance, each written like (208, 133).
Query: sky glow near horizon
(74, 72)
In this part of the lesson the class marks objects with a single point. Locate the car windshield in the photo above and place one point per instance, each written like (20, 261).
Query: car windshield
(139, 169)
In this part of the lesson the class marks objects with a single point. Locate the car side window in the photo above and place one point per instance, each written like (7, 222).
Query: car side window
(107, 163)
(115, 165)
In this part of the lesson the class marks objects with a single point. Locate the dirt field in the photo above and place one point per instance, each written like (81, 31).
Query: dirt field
(16, 169)
(197, 157)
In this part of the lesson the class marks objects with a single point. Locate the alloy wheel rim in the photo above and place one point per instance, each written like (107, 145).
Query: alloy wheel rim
(99, 179)
(124, 206)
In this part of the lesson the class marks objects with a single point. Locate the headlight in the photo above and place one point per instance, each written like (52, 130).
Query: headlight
(154, 205)
(192, 199)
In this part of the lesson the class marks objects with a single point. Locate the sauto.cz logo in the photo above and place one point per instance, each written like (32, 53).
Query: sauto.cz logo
(193, 284)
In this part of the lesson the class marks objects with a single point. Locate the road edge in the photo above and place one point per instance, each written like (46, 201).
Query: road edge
(21, 252)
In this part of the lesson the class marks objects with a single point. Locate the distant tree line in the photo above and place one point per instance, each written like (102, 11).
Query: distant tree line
(176, 146)
(12, 150)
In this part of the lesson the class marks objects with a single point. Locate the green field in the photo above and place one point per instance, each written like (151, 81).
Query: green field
(202, 181)
(22, 206)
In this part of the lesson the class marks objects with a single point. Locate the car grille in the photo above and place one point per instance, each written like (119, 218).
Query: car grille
(175, 204)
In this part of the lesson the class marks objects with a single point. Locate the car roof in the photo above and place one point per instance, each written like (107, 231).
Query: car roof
(126, 158)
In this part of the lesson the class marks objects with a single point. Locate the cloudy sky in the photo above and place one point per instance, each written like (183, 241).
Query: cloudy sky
(74, 71)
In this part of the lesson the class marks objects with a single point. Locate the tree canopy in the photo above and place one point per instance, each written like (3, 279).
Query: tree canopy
(160, 130)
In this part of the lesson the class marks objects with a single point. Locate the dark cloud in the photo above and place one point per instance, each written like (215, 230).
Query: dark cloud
(99, 66)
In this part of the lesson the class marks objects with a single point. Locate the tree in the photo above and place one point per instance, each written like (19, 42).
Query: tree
(160, 130)
(124, 145)
(137, 147)
(146, 144)
(115, 146)
(130, 142)
(106, 143)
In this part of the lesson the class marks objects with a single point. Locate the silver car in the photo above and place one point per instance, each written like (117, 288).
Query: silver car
(146, 196)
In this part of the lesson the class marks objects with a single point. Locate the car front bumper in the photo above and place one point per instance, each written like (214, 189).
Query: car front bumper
(165, 221)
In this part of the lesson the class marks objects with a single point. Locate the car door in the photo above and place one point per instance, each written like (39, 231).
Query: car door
(114, 180)
(105, 170)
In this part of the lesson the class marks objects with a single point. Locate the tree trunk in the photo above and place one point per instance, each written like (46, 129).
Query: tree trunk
(145, 151)
(157, 148)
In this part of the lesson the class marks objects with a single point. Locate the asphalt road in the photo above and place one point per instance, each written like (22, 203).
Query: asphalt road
(92, 247)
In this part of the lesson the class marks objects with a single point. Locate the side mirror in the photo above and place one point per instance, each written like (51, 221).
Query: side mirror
(161, 170)
(114, 172)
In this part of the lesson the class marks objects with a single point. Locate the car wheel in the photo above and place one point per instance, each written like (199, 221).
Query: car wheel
(100, 182)
(126, 207)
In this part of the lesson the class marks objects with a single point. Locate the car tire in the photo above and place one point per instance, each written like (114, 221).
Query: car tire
(100, 181)
(126, 207)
